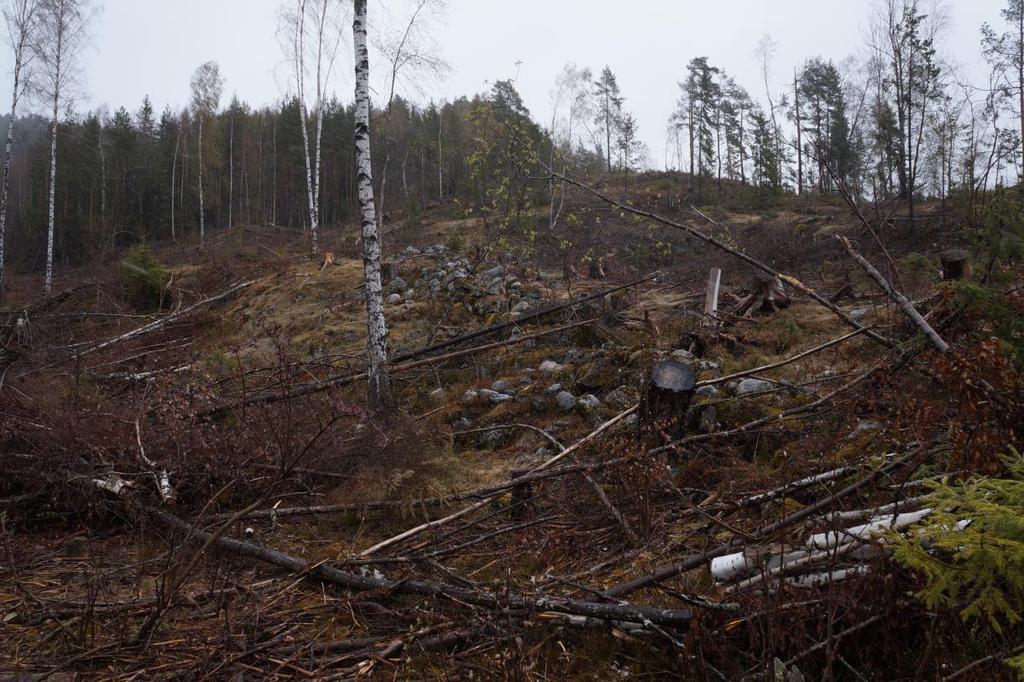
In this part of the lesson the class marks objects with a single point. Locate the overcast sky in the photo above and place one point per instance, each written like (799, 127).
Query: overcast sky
(151, 47)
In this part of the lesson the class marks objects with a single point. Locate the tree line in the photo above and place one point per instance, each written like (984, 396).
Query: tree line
(898, 124)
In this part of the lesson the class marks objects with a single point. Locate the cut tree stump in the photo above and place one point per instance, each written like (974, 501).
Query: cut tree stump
(771, 294)
(666, 396)
(956, 264)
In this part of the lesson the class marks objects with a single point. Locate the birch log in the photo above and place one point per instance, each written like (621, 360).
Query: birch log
(378, 384)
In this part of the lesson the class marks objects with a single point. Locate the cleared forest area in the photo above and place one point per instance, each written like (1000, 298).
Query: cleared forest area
(199, 490)
(384, 389)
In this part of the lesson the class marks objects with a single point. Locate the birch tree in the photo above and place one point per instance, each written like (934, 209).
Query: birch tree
(378, 383)
(63, 32)
(413, 58)
(311, 33)
(22, 20)
(207, 86)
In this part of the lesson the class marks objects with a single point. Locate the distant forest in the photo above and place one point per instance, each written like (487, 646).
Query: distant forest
(898, 123)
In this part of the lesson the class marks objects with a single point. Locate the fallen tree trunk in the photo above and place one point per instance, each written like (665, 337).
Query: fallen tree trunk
(331, 382)
(319, 386)
(675, 618)
(899, 299)
(164, 321)
(672, 570)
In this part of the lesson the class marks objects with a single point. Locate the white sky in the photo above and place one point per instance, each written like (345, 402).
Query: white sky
(152, 46)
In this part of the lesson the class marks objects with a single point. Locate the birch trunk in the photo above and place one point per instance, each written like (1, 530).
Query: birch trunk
(174, 173)
(48, 282)
(21, 24)
(378, 384)
(311, 191)
(202, 207)
(7, 169)
(231, 171)
(6, 183)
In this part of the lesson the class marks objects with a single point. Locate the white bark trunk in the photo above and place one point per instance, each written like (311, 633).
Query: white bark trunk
(378, 384)
(231, 172)
(312, 192)
(202, 208)
(48, 282)
(174, 173)
(7, 172)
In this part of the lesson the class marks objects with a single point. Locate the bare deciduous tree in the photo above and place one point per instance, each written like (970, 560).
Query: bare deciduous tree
(207, 86)
(311, 33)
(22, 20)
(63, 32)
(413, 58)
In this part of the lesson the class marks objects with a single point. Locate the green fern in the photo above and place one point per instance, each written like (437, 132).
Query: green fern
(981, 564)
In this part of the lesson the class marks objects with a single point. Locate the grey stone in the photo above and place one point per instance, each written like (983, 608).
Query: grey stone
(618, 398)
(708, 366)
(396, 285)
(520, 308)
(394, 299)
(437, 396)
(589, 402)
(470, 397)
(708, 392)
(502, 386)
(410, 294)
(497, 271)
(565, 401)
(683, 355)
(487, 394)
(551, 367)
(553, 389)
(753, 387)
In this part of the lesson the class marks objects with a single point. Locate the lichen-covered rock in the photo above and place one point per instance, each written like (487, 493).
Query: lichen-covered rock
(565, 401)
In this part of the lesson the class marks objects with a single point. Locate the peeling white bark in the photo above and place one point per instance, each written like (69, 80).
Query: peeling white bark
(378, 384)
(48, 282)
(202, 205)
(864, 531)
(21, 19)
(174, 173)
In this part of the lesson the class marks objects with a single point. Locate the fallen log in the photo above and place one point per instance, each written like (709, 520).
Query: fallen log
(593, 435)
(164, 321)
(320, 571)
(674, 569)
(345, 380)
(899, 299)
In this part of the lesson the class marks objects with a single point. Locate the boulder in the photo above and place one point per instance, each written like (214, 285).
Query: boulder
(619, 398)
(566, 401)
(708, 392)
(470, 397)
(394, 299)
(502, 386)
(551, 367)
(589, 402)
(753, 387)
(396, 285)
